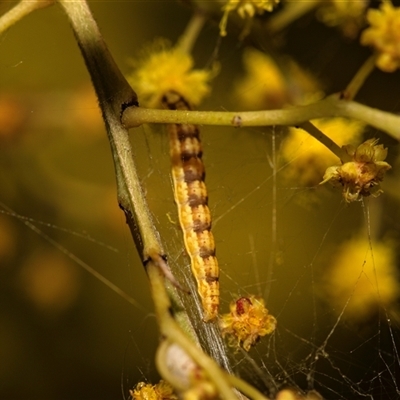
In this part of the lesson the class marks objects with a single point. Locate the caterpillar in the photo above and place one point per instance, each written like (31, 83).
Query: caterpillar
(191, 197)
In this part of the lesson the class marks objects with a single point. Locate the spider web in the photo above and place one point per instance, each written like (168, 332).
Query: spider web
(315, 345)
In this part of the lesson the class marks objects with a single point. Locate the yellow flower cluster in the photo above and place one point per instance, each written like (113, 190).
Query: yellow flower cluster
(165, 69)
(246, 10)
(288, 394)
(362, 280)
(247, 321)
(384, 36)
(360, 176)
(265, 86)
(307, 158)
(347, 15)
(146, 391)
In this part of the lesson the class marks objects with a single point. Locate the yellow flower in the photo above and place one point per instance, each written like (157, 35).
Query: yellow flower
(295, 394)
(360, 176)
(246, 10)
(307, 158)
(161, 391)
(384, 36)
(360, 280)
(347, 15)
(166, 69)
(247, 321)
(265, 86)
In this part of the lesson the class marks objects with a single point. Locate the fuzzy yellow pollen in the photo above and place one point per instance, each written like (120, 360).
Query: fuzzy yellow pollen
(166, 69)
(347, 15)
(361, 176)
(247, 321)
(384, 36)
(362, 280)
(246, 9)
(265, 86)
(307, 158)
(146, 391)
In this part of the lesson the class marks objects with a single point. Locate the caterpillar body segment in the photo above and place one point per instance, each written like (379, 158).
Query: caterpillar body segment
(191, 197)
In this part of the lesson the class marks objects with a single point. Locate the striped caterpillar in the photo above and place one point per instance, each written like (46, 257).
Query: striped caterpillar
(190, 194)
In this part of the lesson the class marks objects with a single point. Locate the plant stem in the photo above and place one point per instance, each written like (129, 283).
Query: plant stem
(114, 93)
(245, 388)
(171, 331)
(325, 140)
(332, 106)
(359, 78)
(21, 10)
(292, 11)
(192, 31)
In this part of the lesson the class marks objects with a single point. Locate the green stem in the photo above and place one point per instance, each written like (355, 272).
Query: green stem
(245, 388)
(359, 78)
(114, 94)
(325, 140)
(171, 332)
(176, 382)
(21, 10)
(192, 31)
(292, 11)
(332, 106)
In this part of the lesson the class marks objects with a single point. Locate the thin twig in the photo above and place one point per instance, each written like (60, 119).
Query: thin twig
(359, 78)
(325, 140)
(171, 331)
(245, 388)
(21, 10)
(292, 11)
(114, 93)
(192, 31)
(332, 106)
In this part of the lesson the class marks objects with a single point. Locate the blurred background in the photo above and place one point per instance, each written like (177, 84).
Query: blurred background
(66, 335)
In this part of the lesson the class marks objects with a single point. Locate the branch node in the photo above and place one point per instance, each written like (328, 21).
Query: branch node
(237, 121)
